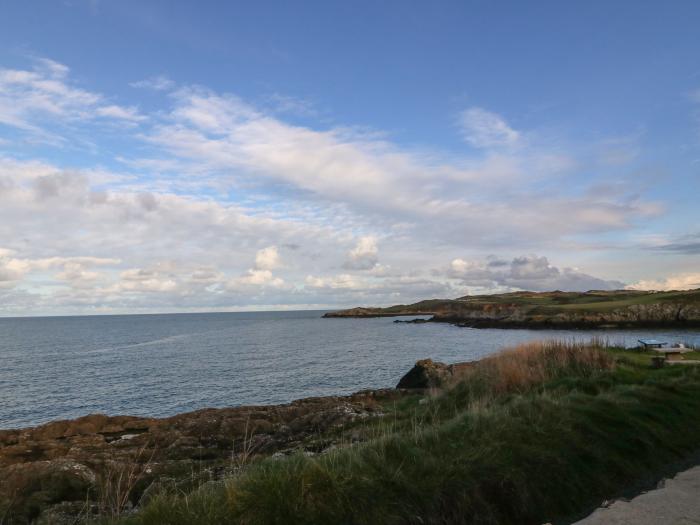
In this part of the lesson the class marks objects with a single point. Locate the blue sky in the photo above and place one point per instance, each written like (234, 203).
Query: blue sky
(176, 156)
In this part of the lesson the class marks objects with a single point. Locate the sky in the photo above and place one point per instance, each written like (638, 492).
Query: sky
(171, 156)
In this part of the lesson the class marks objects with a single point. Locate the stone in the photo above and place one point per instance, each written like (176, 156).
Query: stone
(426, 373)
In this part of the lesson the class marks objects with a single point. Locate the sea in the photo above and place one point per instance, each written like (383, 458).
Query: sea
(55, 368)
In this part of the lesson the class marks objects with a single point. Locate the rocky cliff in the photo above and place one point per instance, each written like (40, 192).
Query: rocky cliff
(593, 309)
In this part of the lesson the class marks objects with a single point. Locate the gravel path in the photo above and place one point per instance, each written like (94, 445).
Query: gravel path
(675, 502)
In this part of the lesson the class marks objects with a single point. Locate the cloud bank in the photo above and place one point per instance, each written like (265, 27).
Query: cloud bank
(209, 201)
(528, 272)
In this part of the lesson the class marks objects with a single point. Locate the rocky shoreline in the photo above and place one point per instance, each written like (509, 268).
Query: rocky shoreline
(98, 466)
(49, 471)
(54, 472)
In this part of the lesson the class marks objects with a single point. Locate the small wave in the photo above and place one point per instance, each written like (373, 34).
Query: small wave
(153, 342)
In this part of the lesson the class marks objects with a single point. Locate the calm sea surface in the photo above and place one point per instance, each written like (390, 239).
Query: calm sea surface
(159, 365)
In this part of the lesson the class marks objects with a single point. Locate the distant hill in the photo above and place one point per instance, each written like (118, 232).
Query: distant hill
(592, 309)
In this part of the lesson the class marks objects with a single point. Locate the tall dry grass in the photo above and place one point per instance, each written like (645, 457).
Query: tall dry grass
(519, 369)
(528, 364)
(117, 480)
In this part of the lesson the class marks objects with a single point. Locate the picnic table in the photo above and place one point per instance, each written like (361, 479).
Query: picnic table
(651, 343)
(674, 353)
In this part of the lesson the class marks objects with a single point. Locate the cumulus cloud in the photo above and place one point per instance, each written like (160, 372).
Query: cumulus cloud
(11, 268)
(258, 277)
(167, 278)
(683, 281)
(528, 272)
(484, 129)
(364, 256)
(335, 282)
(267, 258)
(227, 189)
(261, 274)
(129, 230)
(74, 270)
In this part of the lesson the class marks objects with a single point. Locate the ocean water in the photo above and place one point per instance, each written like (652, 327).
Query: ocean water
(159, 365)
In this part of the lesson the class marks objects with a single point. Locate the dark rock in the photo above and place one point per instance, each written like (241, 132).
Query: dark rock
(431, 374)
(426, 374)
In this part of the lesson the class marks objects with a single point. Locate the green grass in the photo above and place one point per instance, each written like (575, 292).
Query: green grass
(546, 303)
(532, 436)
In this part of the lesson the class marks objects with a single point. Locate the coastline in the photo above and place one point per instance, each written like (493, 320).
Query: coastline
(528, 324)
(64, 471)
(67, 457)
(619, 309)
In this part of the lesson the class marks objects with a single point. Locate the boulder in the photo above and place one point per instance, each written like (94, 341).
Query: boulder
(426, 373)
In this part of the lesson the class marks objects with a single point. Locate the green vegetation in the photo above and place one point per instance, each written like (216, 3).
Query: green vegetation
(592, 309)
(557, 299)
(602, 298)
(539, 433)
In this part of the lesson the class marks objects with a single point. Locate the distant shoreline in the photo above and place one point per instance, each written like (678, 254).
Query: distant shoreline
(617, 309)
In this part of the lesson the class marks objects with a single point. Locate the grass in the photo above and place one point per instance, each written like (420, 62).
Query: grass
(548, 303)
(535, 434)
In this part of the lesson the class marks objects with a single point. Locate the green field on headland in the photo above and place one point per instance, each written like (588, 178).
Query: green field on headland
(592, 309)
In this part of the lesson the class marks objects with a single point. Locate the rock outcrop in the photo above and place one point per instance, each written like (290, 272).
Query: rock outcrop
(427, 374)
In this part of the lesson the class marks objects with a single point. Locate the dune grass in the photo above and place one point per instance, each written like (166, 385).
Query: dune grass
(538, 433)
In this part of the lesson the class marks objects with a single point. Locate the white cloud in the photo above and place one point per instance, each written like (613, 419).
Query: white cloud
(11, 269)
(342, 281)
(683, 281)
(267, 258)
(225, 190)
(364, 256)
(53, 68)
(75, 270)
(484, 129)
(120, 112)
(38, 101)
(258, 277)
(531, 272)
(227, 140)
(353, 290)
(156, 83)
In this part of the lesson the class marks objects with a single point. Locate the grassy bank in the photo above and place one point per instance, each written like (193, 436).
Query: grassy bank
(535, 434)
